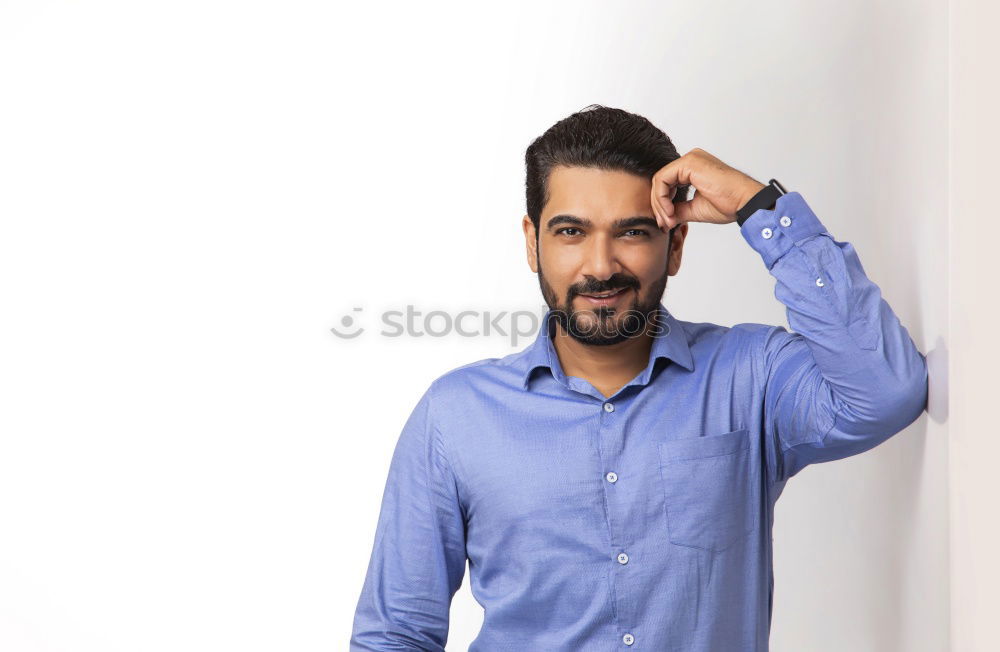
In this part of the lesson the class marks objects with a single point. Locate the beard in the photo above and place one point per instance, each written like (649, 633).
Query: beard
(605, 325)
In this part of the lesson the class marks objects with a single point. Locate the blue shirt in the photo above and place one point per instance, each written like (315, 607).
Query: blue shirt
(641, 521)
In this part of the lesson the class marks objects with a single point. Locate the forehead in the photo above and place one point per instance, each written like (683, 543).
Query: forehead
(597, 194)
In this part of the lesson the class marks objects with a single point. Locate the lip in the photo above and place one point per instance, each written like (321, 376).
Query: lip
(605, 301)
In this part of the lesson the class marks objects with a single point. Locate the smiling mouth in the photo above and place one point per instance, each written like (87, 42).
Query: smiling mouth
(605, 295)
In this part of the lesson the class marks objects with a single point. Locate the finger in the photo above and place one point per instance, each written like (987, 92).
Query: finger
(662, 196)
(658, 214)
(676, 172)
(672, 221)
(654, 203)
(685, 212)
(666, 211)
(697, 209)
(663, 218)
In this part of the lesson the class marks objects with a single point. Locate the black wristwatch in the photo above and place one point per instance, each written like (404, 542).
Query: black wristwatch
(766, 198)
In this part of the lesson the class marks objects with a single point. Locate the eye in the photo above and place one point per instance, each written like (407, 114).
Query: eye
(567, 228)
(640, 232)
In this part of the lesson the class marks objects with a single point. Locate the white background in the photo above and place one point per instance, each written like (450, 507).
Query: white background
(193, 193)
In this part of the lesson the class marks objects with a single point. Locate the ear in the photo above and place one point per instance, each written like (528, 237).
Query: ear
(529, 243)
(677, 248)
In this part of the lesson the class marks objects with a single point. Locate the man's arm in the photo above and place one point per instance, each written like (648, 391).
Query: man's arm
(849, 376)
(418, 559)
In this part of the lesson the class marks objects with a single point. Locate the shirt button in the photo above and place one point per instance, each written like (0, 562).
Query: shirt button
(766, 232)
(819, 282)
(785, 220)
(612, 477)
(628, 639)
(622, 558)
(609, 407)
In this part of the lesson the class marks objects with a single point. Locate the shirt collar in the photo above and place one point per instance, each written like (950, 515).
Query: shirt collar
(672, 345)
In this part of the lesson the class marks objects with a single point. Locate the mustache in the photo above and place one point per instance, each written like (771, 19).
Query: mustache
(613, 283)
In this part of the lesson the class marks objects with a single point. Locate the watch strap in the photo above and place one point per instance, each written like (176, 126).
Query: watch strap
(765, 198)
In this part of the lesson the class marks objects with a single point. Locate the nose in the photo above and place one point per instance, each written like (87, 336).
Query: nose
(601, 261)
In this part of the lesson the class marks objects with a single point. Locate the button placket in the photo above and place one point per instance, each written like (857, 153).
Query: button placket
(610, 441)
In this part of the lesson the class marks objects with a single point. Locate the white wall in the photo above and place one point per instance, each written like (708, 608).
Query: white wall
(974, 356)
(193, 193)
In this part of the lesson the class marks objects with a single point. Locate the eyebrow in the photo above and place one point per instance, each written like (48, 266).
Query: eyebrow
(623, 223)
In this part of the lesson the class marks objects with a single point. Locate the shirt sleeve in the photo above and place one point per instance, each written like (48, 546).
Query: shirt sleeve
(849, 376)
(418, 558)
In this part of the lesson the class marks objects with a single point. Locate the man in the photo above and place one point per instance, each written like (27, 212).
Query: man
(613, 485)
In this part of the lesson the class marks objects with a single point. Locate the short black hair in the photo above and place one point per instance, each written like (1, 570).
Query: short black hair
(597, 137)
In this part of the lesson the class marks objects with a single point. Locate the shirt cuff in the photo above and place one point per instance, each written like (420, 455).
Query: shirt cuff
(773, 232)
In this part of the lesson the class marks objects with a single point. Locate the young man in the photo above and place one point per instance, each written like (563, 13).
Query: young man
(613, 485)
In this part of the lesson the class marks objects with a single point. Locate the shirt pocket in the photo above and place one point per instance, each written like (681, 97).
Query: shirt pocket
(707, 491)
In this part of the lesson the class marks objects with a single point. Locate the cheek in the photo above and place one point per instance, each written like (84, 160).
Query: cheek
(645, 266)
(559, 262)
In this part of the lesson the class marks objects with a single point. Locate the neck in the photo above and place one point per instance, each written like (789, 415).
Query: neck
(607, 368)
